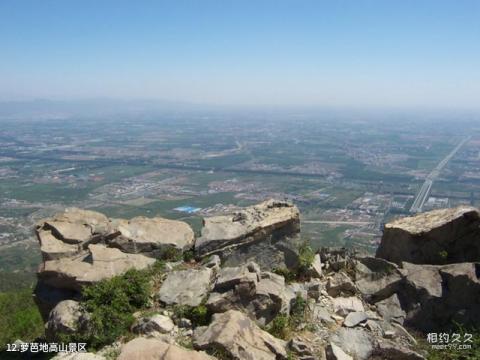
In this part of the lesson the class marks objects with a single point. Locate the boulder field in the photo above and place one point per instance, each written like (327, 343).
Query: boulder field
(424, 278)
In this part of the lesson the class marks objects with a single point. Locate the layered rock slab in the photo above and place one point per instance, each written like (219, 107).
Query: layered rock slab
(157, 235)
(266, 233)
(98, 264)
(70, 232)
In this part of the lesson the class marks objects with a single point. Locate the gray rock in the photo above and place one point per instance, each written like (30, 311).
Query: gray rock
(355, 318)
(228, 277)
(390, 309)
(340, 284)
(262, 296)
(374, 327)
(159, 323)
(299, 289)
(271, 297)
(355, 341)
(434, 237)
(213, 262)
(186, 287)
(65, 318)
(316, 267)
(321, 315)
(301, 349)
(425, 280)
(343, 306)
(238, 336)
(184, 323)
(334, 352)
(377, 279)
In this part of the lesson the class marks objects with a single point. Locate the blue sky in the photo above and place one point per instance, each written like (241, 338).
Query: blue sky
(298, 52)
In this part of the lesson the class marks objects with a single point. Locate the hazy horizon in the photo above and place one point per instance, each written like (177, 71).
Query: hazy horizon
(365, 54)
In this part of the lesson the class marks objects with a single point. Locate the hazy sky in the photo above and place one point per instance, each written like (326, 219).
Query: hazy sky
(360, 53)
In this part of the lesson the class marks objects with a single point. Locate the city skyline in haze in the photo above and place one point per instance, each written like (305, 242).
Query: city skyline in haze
(293, 53)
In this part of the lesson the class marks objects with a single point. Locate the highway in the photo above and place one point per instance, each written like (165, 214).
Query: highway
(337, 222)
(424, 192)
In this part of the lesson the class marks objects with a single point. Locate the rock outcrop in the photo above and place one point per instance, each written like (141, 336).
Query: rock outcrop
(435, 237)
(81, 247)
(266, 233)
(344, 306)
(72, 231)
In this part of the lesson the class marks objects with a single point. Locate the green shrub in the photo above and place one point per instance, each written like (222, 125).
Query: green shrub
(111, 304)
(283, 325)
(198, 315)
(298, 307)
(443, 255)
(305, 258)
(157, 268)
(280, 326)
(19, 317)
(289, 275)
(188, 255)
(450, 353)
(171, 254)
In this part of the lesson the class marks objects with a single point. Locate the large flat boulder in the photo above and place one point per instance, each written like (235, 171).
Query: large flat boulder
(153, 349)
(235, 334)
(434, 237)
(157, 235)
(186, 287)
(77, 225)
(266, 233)
(99, 263)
